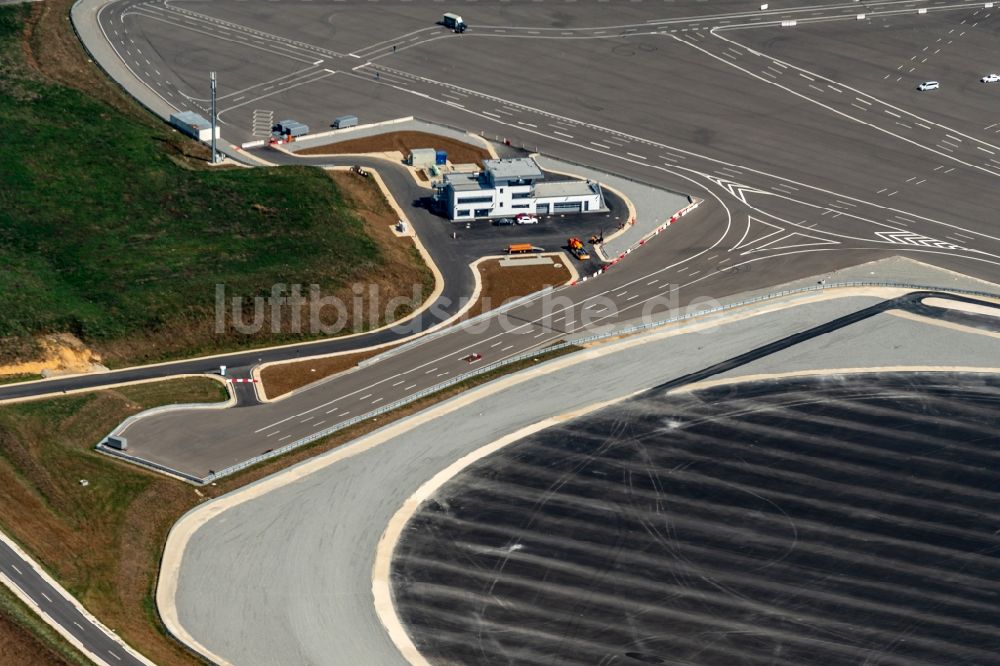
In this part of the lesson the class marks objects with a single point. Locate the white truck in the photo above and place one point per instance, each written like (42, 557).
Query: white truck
(453, 22)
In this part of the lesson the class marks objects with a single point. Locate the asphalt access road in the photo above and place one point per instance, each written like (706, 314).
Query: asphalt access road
(317, 603)
(54, 603)
(198, 443)
(829, 520)
(666, 102)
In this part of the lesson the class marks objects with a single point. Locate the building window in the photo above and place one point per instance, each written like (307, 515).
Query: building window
(521, 195)
(474, 200)
(482, 212)
(521, 206)
(462, 213)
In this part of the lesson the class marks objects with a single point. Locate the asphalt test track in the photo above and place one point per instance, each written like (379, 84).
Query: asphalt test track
(825, 520)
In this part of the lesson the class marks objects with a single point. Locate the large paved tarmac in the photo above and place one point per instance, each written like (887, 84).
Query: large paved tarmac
(666, 100)
(297, 562)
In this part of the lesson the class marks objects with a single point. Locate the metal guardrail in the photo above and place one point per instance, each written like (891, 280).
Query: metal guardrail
(635, 328)
(148, 464)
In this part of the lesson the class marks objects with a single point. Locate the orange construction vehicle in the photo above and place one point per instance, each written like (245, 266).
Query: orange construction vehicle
(577, 248)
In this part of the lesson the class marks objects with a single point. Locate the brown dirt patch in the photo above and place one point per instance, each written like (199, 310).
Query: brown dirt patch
(19, 647)
(502, 284)
(459, 152)
(57, 353)
(281, 378)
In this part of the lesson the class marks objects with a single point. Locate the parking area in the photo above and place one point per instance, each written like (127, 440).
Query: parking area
(551, 233)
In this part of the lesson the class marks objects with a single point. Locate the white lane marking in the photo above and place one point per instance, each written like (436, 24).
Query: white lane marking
(985, 150)
(284, 438)
(568, 136)
(377, 400)
(600, 145)
(308, 418)
(78, 625)
(834, 88)
(487, 113)
(411, 386)
(434, 369)
(114, 655)
(507, 347)
(858, 106)
(366, 396)
(653, 281)
(806, 76)
(863, 101)
(641, 157)
(14, 567)
(894, 115)
(521, 122)
(333, 410)
(953, 138)
(398, 383)
(496, 344)
(47, 598)
(273, 433)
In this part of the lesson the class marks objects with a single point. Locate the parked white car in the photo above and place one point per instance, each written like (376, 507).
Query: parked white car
(929, 85)
(524, 218)
(990, 78)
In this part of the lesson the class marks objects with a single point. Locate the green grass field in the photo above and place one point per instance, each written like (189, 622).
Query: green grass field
(103, 234)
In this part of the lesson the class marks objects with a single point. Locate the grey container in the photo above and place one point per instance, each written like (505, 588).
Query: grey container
(293, 127)
(345, 121)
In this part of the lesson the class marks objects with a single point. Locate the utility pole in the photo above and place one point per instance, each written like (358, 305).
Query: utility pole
(215, 121)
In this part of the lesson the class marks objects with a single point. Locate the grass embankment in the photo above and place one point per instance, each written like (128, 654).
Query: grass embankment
(459, 152)
(39, 645)
(113, 228)
(499, 285)
(101, 541)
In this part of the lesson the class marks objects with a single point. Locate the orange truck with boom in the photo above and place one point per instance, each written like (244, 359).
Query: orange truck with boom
(577, 248)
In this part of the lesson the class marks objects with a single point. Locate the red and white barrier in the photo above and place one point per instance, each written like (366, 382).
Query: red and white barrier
(243, 381)
(673, 218)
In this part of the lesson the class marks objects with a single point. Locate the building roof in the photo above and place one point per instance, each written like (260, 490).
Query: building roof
(519, 168)
(428, 152)
(462, 181)
(564, 188)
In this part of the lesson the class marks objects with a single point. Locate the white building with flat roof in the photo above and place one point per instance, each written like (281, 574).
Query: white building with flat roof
(511, 186)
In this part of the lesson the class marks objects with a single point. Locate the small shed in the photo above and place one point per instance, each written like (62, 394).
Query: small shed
(194, 125)
(422, 157)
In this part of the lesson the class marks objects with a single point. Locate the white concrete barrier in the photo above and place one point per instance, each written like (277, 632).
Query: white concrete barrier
(788, 24)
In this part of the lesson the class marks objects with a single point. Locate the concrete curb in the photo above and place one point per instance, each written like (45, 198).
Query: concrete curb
(49, 620)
